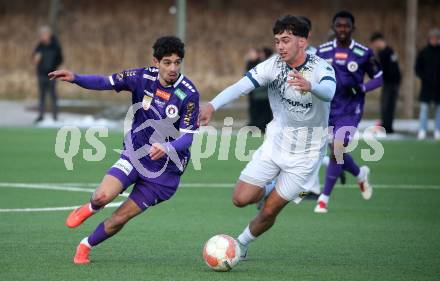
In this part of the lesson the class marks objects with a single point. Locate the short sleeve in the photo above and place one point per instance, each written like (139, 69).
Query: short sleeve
(189, 114)
(372, 66)
(126, 80)
(263, 73)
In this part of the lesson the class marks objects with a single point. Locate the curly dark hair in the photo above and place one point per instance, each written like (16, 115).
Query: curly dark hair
(343, 14)
(168, 45)
(294, 24)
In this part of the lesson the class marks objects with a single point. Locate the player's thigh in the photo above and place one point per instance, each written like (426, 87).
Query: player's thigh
(108, 189)
(295, 182)
(121, 175)
(260, 170)
(257, 173)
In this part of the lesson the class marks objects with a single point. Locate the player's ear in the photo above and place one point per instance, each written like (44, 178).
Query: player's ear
(156, 62)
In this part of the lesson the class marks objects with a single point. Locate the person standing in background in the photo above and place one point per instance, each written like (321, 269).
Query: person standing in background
(391, 79)
(260, 113)
(428, 70)
(47, 57)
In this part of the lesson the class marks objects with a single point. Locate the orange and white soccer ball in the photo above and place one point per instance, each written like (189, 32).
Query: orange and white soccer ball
(221, 252)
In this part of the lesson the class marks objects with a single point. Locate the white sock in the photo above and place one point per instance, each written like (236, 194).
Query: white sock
(85, 241)
(246, 237)
(361, 176)
(324, 198)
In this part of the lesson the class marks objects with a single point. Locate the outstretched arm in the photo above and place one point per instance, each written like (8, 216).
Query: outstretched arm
(91, 82)
(231, 93)
(372, 84)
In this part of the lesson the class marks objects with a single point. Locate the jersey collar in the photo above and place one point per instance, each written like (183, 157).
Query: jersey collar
(305, 62)
(336, 45)
(178, 80)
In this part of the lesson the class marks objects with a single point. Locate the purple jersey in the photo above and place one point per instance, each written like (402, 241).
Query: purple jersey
(350, 66)
(161, 116)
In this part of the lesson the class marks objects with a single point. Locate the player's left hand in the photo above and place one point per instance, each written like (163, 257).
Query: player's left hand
(298, 81)
(157, 151)
(205, 114)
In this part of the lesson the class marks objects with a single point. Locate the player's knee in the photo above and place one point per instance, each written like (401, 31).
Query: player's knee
(239, 201)
(100, 198)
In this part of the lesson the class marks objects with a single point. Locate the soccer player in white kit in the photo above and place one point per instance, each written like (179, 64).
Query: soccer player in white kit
(300, 88)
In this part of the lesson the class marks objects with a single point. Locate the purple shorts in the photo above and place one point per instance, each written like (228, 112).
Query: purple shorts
(145, 193)
(344, 127)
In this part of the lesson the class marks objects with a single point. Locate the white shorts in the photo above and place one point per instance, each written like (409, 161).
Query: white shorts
(297, 174)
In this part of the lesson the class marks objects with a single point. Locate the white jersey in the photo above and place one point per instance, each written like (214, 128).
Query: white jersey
(300, 118)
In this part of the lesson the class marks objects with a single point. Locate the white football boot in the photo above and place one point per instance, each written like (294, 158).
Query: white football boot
(321, 208)
(243, 251)
(364, 184)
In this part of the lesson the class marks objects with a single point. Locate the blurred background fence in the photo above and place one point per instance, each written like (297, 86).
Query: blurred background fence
(108, 36)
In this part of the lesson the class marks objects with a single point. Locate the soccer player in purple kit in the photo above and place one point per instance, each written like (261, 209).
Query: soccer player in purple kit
(156, 149)
(351, 62)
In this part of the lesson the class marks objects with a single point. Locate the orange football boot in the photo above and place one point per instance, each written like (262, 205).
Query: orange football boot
(82, 254)
(79, 215)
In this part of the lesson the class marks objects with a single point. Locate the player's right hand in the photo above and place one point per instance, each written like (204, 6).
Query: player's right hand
(205, 114)
(63, 75)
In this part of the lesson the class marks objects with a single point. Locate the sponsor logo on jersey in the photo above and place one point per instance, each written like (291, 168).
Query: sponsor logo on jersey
(352, 66)
(159, 103)
(180, 94)
(340, 62)
(297, 103)
(171, 111)
(189, 113)
(162, 94)
(124, 166)
(359, 52)
(146, 102)
(341, 56)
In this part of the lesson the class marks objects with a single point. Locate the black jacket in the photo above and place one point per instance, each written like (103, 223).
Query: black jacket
(428, 70)
(390, 66)
(51, 57)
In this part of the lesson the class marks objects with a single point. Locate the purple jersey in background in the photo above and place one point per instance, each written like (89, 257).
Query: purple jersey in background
(350, 64)
(165, 114)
